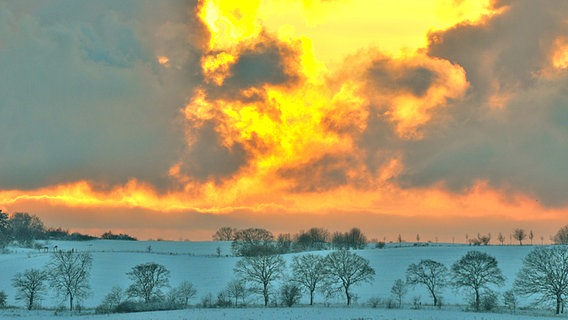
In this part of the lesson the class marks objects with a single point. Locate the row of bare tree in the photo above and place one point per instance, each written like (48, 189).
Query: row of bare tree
(68, 274)
(335, 272)
(544, 274)
(255, 241)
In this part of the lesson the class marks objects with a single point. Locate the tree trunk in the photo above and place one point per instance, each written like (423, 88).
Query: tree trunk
(265, 293)
(558, 303)
(476, 299)
(31, 302)
(70, 303)
(435, 299)
(348, 296)
(311, 297)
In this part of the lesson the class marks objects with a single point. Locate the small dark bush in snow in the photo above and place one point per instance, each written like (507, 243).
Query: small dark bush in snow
(3, 299)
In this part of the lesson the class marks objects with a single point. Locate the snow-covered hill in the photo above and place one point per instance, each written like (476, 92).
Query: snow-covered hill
(199, 263)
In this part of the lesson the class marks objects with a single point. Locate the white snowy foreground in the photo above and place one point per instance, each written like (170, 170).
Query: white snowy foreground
(199, 263)
(300, 313)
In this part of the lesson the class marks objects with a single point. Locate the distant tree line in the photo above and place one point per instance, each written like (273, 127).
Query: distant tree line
(258, 241)
(24, 229)
(121, 236)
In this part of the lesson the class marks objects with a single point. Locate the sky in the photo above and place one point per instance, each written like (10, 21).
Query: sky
(169, 119)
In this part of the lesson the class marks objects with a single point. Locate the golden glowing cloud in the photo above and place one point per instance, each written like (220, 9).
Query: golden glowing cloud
(560, 53)
(163, 60)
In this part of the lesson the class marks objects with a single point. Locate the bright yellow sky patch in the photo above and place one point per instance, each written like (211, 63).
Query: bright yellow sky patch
(342, 27)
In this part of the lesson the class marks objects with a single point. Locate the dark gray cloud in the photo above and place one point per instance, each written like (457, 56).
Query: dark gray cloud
(322, 174)
(521, 147)
(208, 158)
(269, 62)
(83, 96)
(416, 80)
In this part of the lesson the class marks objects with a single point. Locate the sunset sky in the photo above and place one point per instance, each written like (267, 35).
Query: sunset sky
(169, 119)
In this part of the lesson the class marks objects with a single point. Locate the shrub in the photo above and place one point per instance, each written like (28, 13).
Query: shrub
(510, 301)
(489, 301)
(3, 299)
(290, 294)
(223, 301)
(416, 302)
(374, 302)
(207, 301)
(111, 301)
(131, 306)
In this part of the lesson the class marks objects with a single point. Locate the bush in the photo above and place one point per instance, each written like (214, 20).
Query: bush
(510, 301)
(374, 302)
(110, 236)
(489, 301)
(223, 301)
(416, 302)
(391, 304)
(131, 306)
(290, 294)
(207, 301)
(3, 299)
(379, 245)
(111, 301)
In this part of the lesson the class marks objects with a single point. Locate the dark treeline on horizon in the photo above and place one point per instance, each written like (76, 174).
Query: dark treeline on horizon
(24, 229)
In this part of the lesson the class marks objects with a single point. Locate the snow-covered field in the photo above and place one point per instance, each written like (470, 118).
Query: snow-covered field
(299, 313)
(198, 262)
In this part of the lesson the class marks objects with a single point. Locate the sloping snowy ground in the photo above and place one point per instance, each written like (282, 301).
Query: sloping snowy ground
(299, 313)
(198, 262)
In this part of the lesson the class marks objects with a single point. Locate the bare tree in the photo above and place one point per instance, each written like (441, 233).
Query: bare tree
(5, 236)
(430, 273)
(354, 239)
(561, 237)
(30, 286)
(399, 290)
(284, 243)
(290, 294)
(69, 274)
(111, 300)
(182, 293)
(262, 271)
(224, 234)
(253, 241)
(484, 239)
(501, 238)
(519, 235)
(308, 271)
(313, 239)
(236, 289)
(531, 236)
(545, 274)
(26, 228)
(346, 269)
(476, 270)
(148, 281)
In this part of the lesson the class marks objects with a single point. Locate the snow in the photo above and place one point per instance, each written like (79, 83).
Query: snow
(299, 313)
(198, 263)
